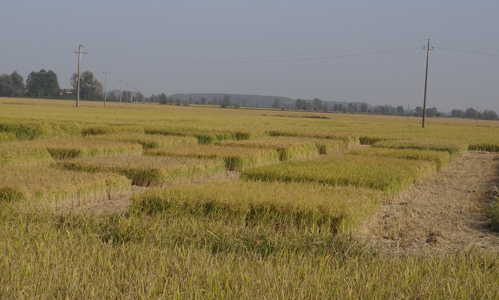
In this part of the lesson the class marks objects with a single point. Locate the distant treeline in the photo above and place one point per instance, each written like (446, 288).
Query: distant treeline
(44, 84)
(236, 101)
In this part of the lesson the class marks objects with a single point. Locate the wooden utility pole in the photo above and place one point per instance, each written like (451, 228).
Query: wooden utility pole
(78, 83)
(121, 89)
(105, 85)
(426, 79)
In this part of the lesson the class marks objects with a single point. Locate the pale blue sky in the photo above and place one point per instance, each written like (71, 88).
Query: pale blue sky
(297, 49)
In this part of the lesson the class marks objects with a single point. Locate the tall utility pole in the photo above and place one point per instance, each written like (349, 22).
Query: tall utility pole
(78, 83)
(121, 89)
(428, 48)
(126, 94)
(105, 85)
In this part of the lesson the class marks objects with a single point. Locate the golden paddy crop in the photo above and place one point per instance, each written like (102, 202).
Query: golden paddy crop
(23, 153)
(235, 158)
(43, 186)
(387, 174)
(440, 158)
(148, 170)
(311, 207)
(148, 141)
(81, 147)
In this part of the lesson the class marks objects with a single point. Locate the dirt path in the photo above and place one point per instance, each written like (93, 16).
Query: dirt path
(444, 213)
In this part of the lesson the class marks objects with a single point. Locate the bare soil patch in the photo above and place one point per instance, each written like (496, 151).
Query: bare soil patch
(444, 213)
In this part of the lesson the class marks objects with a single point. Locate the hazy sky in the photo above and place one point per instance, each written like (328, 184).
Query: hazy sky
(370, 51)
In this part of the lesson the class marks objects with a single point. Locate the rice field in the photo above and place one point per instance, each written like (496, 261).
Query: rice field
(44, 187)
(220, 203)
(440, 158)
(23, 153)
(286, 207)
(148, 171)
(235, 158)
(83, 147)
(386, 174)
(148, 141)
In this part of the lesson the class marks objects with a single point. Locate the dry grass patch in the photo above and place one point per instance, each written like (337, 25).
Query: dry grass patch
(148, 170)
(235, 158)
(44, 186)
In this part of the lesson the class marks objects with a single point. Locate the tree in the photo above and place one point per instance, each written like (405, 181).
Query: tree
(307, 105)
(489, 115)
(203, 101)
(154, 99)
(325, 107)
(226, 102)
(418, 112)
(11, 85)
(340, 108)
(139, 97)
(457, 113)
(162, 99)
(299, 104)
(400, 110)
(277, 103)
(352, 108)
(470, 113)
(317, 104)
(431, 112)
(90, 87)
(42, 84)
(364, 108)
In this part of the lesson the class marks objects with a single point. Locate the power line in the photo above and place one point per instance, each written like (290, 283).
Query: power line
(248, 61)
(247, 57)
(469, 46)
(467, 51)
